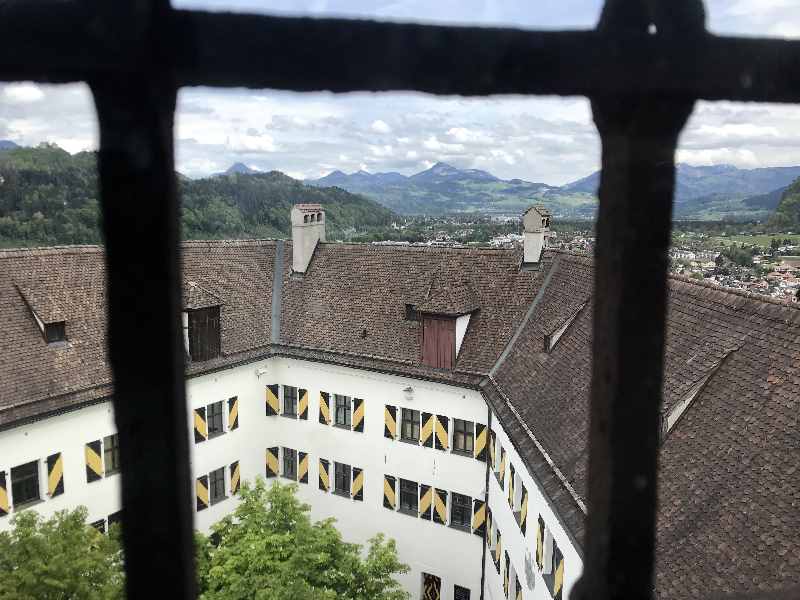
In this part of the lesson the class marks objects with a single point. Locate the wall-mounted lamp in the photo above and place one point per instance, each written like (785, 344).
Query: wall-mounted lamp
(409, 392)
(260, 372)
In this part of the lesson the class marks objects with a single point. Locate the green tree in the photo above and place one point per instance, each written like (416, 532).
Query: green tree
(269, 549)
(59, 558)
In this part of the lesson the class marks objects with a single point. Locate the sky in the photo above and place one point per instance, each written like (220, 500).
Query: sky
(550, 140)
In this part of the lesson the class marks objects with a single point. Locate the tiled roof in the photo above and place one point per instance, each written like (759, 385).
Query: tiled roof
(729, 482)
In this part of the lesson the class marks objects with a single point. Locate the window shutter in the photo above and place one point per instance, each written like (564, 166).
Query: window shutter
(501, 471)
(273, 403)
(440, 506)
(201, 491)
(358, 415)
(272, 461)
(492, 449)
(94, 463)
(233, 413)
(480, 442)
(4, 505)
(558, 579)
(518, 587)
(540, 543)
(55, 475)
(200, 426)
(431, 587)
(235, 478)
(302, 407)
(426, 433)
(425, 501)
(302, 468)
(325, 408)
(505, 574)
(498, 552)
(511, 486)
(324, 479)
(478, 517)
(390, 422)
(357, 488)
(489, 540)
(442, 439)
(523, 513)
(389, 495)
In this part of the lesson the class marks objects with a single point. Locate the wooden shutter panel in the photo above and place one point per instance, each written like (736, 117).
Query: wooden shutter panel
(302, 408)
(498, 552)
(518, 588)
(501, 471)
(273, 403)
(324, 479)
(390, 422)
(357, 487)
(523, 514)
(558, 568)
(511, 486)
(55, 475)
(440, 506)
(492, 449)
(480, 442)
(442, 435)
(233, 413)
(505, 574)
(94, 462)
(235, 478)
(358, 415)
(426, 433)
(425, 501)
(201, 491)
(200, 426)
(4, 505)
(302, 468)
(540, 543)
(389, 495)
(478, 517)
(325, 408)
(431, 587)
(272, 461)
(489, 540)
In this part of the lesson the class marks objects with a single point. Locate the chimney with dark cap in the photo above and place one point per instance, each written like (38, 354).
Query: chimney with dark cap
(308, 228)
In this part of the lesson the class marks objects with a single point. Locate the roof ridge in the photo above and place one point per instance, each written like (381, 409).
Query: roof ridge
(46, 250)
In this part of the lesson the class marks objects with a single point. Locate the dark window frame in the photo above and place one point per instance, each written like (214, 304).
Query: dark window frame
(408, 500)
(342, 478)
(342, 406)
(467, 432)
(25, 483)
(460, 511)
(204, 333)
(216, 486)
(289, 464)
(215, 419)
(413, 423)
(111, 454)
(461, 593)
(55, 333)
(290, 396)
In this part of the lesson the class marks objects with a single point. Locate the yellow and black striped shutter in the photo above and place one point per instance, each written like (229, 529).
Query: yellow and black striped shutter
(390, 422)
(505, 574)
(389, 495)
(302, 407)
(440, 506)
(358, 415)
(523, 511)
(302, 468)
(324, 479)
(558, 570)
(501, 471)
(489, 540)
(498, 551)
(200, 426)
(428, 427)
(431, 587)
(518, 587)
(492, 449)
(357, 486)
(480, 442)
(273, 403)
(201, 491)
(272, 462)
(478, 517)
(325, 408)
(4, 506)
(233, 413)
(94, 464)
(442, 439)
(55, 475)
(540, 543)
(425, 501)
(511, 486)
(235, 477)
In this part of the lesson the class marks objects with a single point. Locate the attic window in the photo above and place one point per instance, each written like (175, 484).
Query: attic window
(203, 333)
(551, 339)
(438, 341)
(55, 332)
(411, 313)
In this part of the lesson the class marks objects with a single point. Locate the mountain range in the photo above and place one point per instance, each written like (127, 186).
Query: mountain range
(702, 192)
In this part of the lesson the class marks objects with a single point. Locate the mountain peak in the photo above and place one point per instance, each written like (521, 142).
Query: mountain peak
(240, 168)
(8, 145)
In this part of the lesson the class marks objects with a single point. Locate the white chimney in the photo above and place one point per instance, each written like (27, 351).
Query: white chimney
(308, 228)
(536, 230)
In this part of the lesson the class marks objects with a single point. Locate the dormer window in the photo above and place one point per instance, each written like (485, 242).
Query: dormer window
(203, 333)
(438, 341)
(55, 333)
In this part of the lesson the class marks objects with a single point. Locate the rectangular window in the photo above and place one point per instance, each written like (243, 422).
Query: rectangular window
(342, 476)
(290, 463)
(342, 410)
(410, 425)
(204, 343)
(290, 401)
(461, 510)
(214, 416)
(216, 484)
(463, 436)
(100, 525)
(115, 519)
(460, 593)
(408, 496)
(55, 332)
(25, 483)
(111, 453)
(438, 342)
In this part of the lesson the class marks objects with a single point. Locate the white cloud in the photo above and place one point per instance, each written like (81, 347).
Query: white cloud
(22, 93)
(740, 157)
(380, 126)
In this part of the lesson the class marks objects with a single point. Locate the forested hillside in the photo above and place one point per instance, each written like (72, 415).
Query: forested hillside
(48, 196)
(787, 214)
